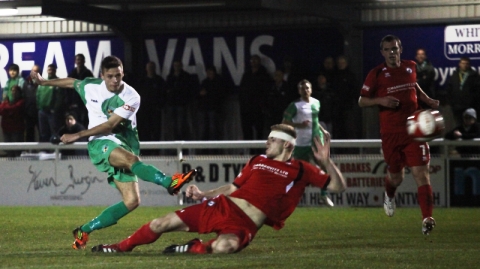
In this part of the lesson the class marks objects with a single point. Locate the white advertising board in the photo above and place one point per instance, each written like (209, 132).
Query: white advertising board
(365, 181)
(71, 182)
(77, 182)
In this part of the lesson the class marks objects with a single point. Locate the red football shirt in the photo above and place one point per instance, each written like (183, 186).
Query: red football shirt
(276, 187)
(398, 82)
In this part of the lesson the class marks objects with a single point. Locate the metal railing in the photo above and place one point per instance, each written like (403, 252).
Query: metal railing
(180, 146)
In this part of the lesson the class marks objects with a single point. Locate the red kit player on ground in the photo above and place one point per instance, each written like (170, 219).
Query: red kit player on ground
(392, 86)
(265, 192)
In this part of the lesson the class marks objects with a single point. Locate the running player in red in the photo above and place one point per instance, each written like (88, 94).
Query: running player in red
(265, 192)
(392, 86)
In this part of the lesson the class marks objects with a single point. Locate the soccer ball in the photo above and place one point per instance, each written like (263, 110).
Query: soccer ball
(425, 125)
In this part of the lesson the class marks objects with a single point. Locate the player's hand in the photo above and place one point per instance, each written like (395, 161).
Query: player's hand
(321, 152)
(69, 138)
(194, 192)
(326, 135)
(433, 103)
(389, 101)
(37, 78)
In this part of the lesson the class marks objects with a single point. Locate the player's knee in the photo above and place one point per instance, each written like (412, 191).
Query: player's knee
(168, 223)
(131, 159)
(132, 202)
(225, 246)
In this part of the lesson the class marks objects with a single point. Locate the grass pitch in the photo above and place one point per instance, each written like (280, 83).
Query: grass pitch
(40, 237)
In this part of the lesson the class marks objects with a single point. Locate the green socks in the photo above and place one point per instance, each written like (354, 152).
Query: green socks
(108, 217)
(151, 174)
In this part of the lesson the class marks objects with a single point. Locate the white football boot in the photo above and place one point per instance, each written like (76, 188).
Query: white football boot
(427, 225)
(389, 205)
(326, 200)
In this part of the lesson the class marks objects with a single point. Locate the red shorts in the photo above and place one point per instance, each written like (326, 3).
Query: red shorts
(400, 150)
(219, 215)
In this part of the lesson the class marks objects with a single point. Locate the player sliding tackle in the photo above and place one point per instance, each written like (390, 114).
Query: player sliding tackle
(113, 145)
(265, 192)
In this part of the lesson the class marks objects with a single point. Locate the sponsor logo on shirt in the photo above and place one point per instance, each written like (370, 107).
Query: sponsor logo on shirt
(274, 170)
(401, 87)
(95, 101)
(127, 107)
(105, 148)
(387, 75)
(365, 87)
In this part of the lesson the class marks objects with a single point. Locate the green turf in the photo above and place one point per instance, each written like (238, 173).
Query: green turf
(40, 237)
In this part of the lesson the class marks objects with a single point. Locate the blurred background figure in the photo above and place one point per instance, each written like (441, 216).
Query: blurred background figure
(50, 103)
(13, 126)
(253, 97)
(425, 75)
(31, 112)
(347, 116)
(73, 102)
(324, 93)
(14, 80)
(463, 90)
(152, 93)
(291, 75)
(328, 68)
(212, 94)
(71, 126)
(469, 129)
(278, 99)
(180, 88)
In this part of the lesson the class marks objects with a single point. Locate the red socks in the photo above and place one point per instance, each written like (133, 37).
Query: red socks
(142, 236)
(200, 248)
(389, 188)
(425, 200)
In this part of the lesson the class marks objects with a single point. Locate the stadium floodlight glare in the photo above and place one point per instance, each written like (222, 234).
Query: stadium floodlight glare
(20, 11)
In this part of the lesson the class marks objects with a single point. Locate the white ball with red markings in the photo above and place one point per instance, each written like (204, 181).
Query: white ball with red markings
(425, 125)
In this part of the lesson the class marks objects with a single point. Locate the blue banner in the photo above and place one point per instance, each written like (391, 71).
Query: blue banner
(230, 52)
(444, 44)
(27, 52)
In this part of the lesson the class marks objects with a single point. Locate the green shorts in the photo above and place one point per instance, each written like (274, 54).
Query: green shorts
(99, 151)
(303, 153)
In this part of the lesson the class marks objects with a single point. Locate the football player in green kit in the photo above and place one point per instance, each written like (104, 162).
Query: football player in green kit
(302, 114)
(113, 144)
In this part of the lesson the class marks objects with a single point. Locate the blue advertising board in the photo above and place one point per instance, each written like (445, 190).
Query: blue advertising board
(444, 44)
(59, 51)
(230, 52)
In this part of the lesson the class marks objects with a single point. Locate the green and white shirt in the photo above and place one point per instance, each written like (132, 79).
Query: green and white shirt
(101, 103)
(300, 111)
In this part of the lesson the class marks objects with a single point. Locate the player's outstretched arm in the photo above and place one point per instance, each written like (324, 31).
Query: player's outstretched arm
(322, 156)
(60, 82)
(105, 128)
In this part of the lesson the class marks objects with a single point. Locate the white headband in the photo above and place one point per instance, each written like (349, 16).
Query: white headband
(283, 136)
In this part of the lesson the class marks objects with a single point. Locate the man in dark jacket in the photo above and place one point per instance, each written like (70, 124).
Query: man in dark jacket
(463, 89)
(425, 75)
(253, 97)
(50, 102)
(469, 129)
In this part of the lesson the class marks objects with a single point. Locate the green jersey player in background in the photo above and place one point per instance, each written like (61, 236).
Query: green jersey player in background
(113, 144)
(302, 114)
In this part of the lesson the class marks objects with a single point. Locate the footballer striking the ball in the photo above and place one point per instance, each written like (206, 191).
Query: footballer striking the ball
(425, 125)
